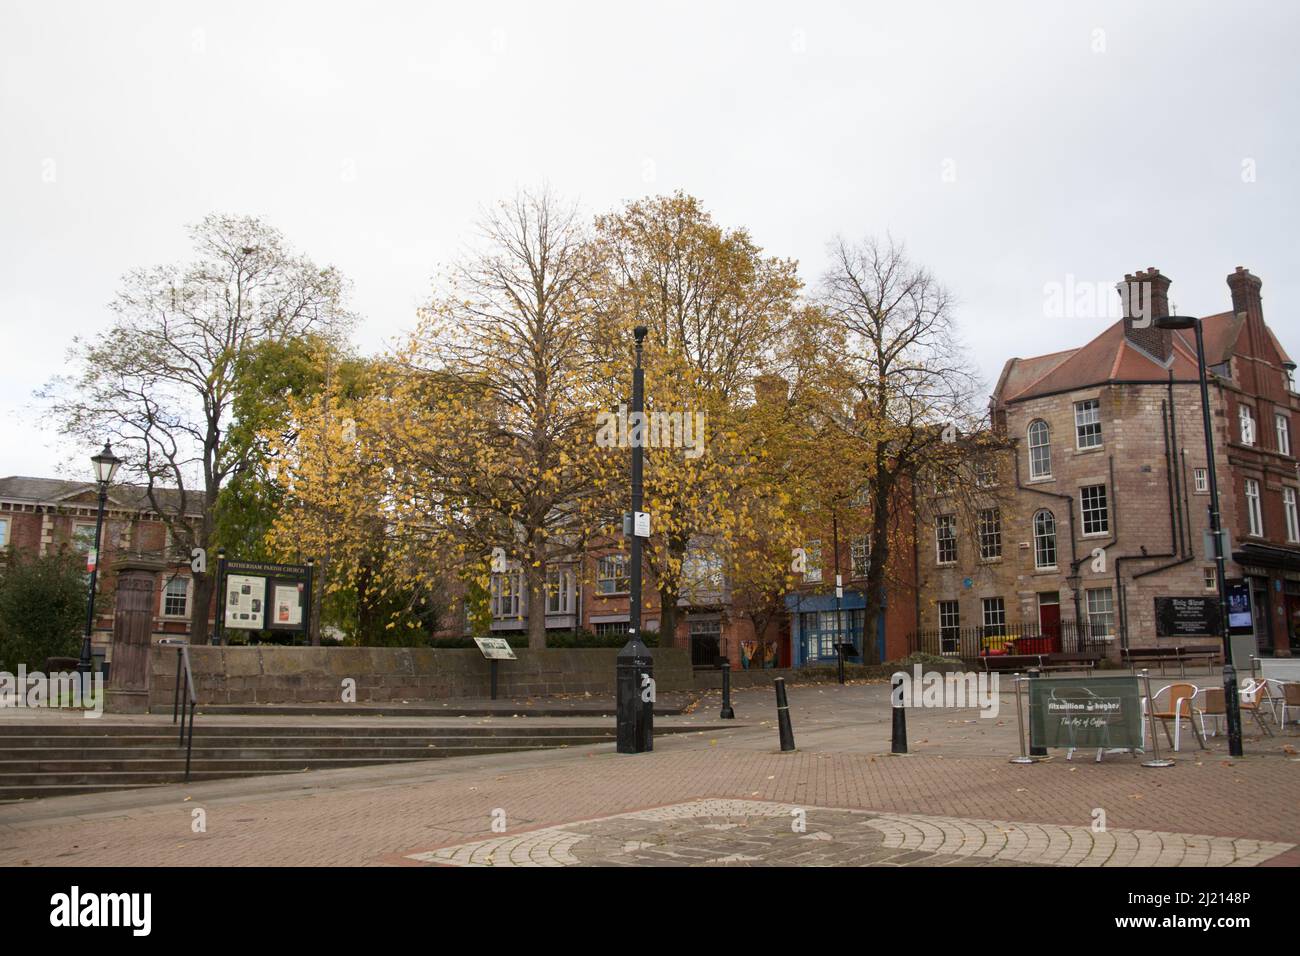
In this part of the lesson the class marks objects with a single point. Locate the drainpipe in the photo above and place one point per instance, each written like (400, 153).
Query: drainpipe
(1073, 579)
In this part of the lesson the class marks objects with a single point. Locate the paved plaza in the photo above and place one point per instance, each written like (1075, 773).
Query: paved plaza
(720, 794)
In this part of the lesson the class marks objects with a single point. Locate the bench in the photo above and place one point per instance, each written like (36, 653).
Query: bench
(1058, 661)
(1009, 662)
(1180, 654)
(1071, 661)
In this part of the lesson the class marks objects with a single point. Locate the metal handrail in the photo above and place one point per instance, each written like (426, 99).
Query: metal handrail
(178, 707)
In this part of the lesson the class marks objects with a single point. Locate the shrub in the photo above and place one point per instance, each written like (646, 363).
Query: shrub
(42, 609)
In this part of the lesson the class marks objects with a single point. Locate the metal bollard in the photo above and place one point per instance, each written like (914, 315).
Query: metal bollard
(1035, 750)
(783, 716)
(898, 744)
(727, 712)
(1017, 680)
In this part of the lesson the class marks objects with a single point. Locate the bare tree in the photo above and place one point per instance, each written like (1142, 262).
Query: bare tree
(502, 424)
(160, 382)
(897, 384)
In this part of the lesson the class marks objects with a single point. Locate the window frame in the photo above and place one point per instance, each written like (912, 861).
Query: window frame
(1045, 447)
(999, 609)
(1201, 481)
(949, 627)
(1107, 613)
(1080, 426)
(1041, 537)
(990, 538)
(185, 598)
(1101, 526)
(944, 522)
(619, 561)
(1254, 508)
(1291, 510)
(1246, 431)
(1282, 428)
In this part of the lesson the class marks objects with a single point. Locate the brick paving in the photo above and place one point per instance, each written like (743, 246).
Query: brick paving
(953, 796)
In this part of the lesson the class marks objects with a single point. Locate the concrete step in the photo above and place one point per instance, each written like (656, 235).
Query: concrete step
(292, 748)
(202, 727)
(291, 738)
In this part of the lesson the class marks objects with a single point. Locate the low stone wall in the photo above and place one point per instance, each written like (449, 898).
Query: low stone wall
(270, 674)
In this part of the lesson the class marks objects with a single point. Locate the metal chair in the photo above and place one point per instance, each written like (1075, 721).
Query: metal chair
(1181, 695)
(1255, 698)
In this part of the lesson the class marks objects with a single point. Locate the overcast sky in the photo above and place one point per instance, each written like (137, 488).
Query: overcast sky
(1011, 146)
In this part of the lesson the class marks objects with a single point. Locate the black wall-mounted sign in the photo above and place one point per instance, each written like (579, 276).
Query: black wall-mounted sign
(1186, 616)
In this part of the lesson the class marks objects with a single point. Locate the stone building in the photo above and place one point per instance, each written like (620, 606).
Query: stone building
(1106, 490)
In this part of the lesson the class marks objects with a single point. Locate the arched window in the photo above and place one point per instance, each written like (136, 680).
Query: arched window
(1044, 539)
(1040, 449)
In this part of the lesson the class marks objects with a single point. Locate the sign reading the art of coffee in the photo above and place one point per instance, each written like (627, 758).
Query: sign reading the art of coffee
(1183, 616)
(1085, 712)
(495, 648)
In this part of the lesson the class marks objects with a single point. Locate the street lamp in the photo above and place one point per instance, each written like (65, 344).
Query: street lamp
(634, 668)
(106, 465)
(1232, 705)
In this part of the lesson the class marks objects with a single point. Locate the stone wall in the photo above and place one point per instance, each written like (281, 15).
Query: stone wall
(247, 675)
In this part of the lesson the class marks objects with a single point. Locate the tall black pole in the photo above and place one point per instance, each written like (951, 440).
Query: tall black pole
(83, 666)
(1232, 704)
(839, 590)
(635, 669)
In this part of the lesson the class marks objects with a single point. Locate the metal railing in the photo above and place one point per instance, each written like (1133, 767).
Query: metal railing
(971, 643)
(191, 700)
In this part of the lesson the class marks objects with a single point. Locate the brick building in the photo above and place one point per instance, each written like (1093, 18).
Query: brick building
(42, 515)
(1106, 490)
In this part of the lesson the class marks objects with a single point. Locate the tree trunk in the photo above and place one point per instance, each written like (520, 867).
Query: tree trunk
(204, 584)
(667, 616)
(535, 580)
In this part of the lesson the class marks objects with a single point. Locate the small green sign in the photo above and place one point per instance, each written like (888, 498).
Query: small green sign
(1085, 712)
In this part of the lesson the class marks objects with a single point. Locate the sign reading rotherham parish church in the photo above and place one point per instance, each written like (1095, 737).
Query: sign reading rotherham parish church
(261, 596)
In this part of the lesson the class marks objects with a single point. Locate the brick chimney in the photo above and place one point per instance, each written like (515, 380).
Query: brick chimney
(1145, 297)
(1245, 296)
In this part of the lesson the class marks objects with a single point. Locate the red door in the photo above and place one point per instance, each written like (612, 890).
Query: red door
(1049, 623)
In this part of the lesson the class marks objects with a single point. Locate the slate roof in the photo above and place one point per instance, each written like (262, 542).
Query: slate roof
(56, 491)
(1111, 357)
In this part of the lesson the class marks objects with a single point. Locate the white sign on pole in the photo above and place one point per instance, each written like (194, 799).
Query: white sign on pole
(641, 524)
(245, 597)
(495, 648)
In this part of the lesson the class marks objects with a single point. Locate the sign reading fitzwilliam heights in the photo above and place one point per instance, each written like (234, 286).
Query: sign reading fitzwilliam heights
(1186, 616)
(259, 596)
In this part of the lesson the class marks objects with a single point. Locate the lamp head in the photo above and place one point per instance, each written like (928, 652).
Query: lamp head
(106, 464)
(1176, 322)
(640, 333)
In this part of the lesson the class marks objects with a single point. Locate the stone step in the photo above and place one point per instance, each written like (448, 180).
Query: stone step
(98, 729)
(290, 738)
(291, 749)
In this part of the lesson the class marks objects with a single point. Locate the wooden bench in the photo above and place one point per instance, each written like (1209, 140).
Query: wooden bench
(1180, 654)
(1010, 662)
(1071, 661)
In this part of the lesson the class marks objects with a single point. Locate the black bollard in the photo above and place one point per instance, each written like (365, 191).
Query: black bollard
(899, 743)
(727, 712)
(1035, 750)
(635, 710)
(783, 716)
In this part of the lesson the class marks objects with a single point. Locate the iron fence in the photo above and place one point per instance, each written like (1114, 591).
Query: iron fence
(972, 643)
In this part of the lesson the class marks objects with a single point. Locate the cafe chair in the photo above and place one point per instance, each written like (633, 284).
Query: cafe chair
(1179, 706)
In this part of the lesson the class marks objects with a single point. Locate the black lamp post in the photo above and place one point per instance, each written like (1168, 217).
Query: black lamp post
(1231, 702)
(106, 464)
(634, 667)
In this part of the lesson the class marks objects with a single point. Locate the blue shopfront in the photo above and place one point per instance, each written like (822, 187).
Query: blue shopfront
(814, 632)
